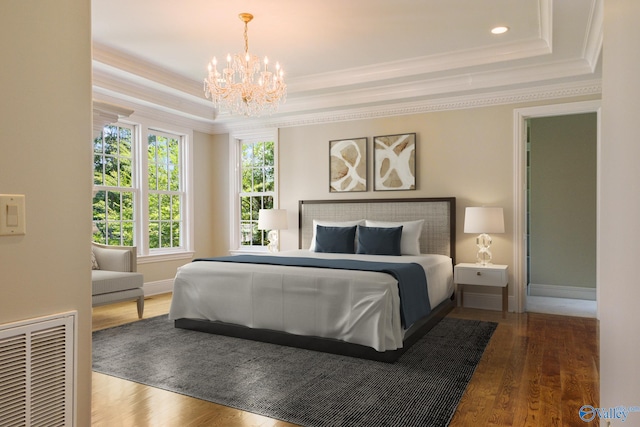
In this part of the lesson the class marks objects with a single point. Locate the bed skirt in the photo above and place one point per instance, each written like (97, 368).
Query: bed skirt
(327, 345)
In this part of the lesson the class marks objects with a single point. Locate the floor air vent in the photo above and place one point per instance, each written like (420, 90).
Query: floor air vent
(37, 372)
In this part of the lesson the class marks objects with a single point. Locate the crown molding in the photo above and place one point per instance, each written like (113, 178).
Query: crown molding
(435, 63)
(546, 20)
(132, 88)
(105, 113)
(514, 96)
(429, 88)
(114, 60)
(160, 90)
(158, 114)
(594, 37)
(422, 66)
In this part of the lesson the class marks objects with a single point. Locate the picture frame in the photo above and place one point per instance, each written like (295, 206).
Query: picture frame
(394, 162)
(348, 169)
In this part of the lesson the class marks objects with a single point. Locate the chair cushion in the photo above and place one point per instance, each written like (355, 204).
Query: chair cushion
(104, 281)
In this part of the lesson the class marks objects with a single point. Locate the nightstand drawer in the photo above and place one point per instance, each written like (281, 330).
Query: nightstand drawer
(484, 276)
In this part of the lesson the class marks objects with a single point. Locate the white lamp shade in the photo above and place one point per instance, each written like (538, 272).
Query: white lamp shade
(484, 220)
(272, 219)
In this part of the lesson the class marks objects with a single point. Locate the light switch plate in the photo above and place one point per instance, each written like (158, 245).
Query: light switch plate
(12, 215)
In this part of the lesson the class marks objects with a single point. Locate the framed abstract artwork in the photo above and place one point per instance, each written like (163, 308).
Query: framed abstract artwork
(394, 162)
(348, 165)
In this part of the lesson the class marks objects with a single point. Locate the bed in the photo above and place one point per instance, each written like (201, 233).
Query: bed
(344, 309)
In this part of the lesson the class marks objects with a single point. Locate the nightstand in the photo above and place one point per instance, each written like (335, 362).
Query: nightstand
(467, 274)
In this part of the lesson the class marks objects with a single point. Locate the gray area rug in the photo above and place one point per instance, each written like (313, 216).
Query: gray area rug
(304, 387)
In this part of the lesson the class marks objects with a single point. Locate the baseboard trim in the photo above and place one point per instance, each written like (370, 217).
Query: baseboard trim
(557, 291)
(158, 287)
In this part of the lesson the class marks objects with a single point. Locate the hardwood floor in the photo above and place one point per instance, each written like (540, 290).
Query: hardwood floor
(538, 370)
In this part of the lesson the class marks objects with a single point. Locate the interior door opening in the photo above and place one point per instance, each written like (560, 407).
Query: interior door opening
(561, 214)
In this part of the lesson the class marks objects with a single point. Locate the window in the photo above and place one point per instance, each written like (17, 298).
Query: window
(140, 189)
(256, 188)
(113, 204)
(165, 195)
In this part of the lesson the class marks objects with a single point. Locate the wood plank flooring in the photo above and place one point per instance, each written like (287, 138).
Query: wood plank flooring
(538, 370)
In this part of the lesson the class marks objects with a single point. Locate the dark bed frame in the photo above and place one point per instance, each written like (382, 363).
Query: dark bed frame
(438, 236)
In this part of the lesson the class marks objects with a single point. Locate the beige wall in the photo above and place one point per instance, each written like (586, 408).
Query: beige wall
(220, 194)
(563, 200)
(467, 154)
(619, 246)
(45, 126)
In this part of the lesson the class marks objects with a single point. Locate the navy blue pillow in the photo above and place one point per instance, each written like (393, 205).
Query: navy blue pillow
(379, 240)
(339, 240)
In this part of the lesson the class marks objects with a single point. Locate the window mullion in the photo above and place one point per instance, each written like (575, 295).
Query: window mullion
(142, 181)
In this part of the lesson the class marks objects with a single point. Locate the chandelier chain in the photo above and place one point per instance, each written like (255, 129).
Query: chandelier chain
(246, 37)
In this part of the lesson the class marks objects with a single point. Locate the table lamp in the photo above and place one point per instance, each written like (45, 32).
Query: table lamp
(483, 220)
(272, 220)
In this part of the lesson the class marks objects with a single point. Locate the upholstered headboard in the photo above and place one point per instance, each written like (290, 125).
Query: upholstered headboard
(438, 233)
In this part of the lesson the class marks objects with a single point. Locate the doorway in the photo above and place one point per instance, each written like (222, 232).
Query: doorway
(561, 214)
(562, 284)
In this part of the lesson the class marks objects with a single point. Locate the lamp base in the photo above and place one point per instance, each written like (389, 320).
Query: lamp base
(483, 257)
(273, 241)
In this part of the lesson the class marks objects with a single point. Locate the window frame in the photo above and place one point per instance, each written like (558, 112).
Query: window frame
(142, 127)
(235, 154)
(119, 188)
(180, 193)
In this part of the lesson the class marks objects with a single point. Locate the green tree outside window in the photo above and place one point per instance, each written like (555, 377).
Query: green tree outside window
(257, 189)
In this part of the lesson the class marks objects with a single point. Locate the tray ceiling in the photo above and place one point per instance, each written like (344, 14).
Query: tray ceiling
(344, 58)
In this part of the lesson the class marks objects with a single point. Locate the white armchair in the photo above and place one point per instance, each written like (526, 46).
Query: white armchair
(114, 277)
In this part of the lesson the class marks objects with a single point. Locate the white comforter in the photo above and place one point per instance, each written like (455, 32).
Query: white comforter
(360, 307)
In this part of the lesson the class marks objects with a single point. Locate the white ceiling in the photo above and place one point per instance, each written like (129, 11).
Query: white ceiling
(344, 58)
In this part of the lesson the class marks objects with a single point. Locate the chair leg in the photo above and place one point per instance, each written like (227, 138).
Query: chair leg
(140, 306)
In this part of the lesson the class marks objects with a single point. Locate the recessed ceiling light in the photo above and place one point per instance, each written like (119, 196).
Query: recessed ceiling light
(499, 30)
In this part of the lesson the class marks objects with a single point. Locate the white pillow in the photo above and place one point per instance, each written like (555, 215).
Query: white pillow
(410, 241)
(312, 248)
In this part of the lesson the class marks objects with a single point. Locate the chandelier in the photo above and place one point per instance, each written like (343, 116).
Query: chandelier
(245, 86)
